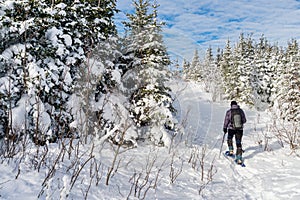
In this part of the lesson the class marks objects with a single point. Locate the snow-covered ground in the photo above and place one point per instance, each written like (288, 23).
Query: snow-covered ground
(271, 172)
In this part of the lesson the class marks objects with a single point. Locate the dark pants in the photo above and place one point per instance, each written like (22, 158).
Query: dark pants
(238, 140)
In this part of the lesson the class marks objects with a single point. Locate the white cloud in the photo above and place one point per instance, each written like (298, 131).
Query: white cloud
(200, 24)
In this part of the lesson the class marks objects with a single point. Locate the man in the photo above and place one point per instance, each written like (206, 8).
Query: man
(234, 122)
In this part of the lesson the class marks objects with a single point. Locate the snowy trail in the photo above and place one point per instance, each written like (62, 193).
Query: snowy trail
(202, 123)
(206, 120)
(255, 181)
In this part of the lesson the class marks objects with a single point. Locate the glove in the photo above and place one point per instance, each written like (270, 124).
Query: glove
(225, 130)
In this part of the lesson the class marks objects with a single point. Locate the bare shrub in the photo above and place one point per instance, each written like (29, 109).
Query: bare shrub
(174, 171)
(198, 160)
(115, 163)
(145, 180)
(210, 172)
(194, 157)
(288, 132)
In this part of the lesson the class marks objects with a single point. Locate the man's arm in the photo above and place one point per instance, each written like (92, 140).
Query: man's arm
(226, 121)
(244, 120)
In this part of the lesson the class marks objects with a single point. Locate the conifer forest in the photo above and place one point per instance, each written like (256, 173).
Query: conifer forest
(72, 88)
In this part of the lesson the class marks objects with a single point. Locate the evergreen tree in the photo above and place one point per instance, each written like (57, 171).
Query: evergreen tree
(229, 73)
(196, 72)
(208, 70)
(144, 45)
(217, 83)
(186, 69)
(55, 39)
(262, 80)
(278, 62)
(243, 63)
(148, 62)
(16, 19)
(288, 99)
(177, 71)
(212, 73)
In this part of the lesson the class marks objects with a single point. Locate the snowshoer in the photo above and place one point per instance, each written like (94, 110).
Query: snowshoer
(234, 121)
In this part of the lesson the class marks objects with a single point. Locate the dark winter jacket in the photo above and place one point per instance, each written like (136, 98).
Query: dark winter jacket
(227, 120)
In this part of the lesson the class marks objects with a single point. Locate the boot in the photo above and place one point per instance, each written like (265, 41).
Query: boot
(239, 159)
(231, 153)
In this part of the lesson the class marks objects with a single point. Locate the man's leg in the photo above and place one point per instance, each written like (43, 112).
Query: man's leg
(229, 140)
(238, 140)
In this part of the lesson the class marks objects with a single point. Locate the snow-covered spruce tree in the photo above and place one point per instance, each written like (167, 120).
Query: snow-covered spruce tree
(212, 73)
(56, 38)
(208, 70)
(96, 99)
(243, 61)
(144, 46)
(186, 69)
(277, 61)
(195, 71)
(217, 83)
(263, 74)
(229, 72)
(151, 103)
(236, 67)
(176, 70)
(102, 106)
(15, 17)
(288, 97)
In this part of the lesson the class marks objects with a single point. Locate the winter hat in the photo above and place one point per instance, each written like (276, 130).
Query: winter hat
(233, 103)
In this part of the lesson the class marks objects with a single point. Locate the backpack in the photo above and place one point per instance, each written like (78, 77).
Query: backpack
(236, 119)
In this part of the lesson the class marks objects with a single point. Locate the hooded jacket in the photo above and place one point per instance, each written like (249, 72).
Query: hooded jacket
(227, 120)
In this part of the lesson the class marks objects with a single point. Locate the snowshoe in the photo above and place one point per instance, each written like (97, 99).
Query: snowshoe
(230, 154)
(238, 161)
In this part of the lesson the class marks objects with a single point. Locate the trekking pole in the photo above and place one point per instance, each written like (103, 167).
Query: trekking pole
(222, 144)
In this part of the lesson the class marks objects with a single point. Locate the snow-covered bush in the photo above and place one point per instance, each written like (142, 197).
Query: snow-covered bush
(42, 46)
(147, 62)
(152, 108)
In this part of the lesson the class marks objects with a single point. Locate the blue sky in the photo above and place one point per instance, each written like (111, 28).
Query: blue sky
(198, 24)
